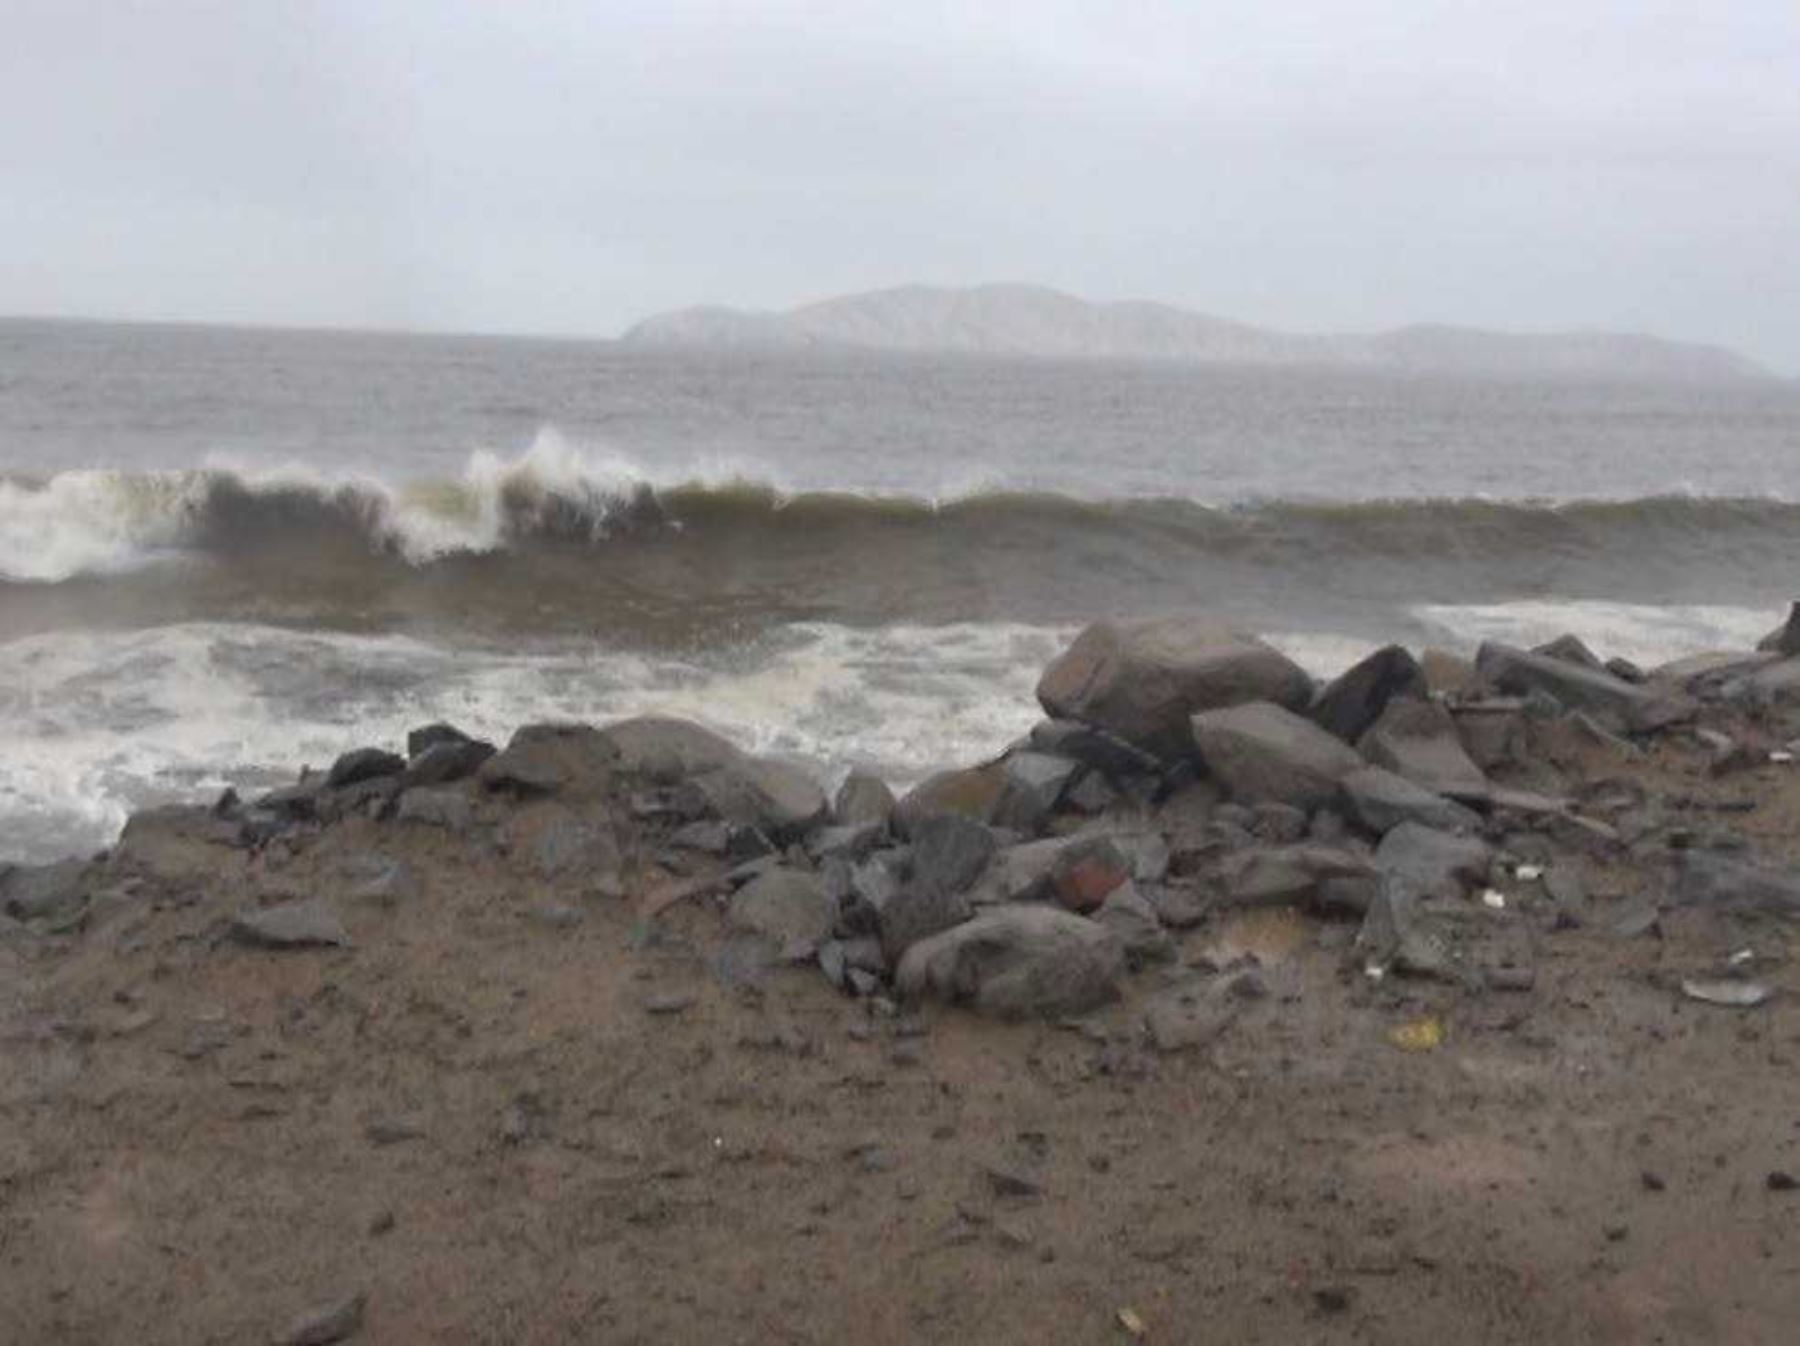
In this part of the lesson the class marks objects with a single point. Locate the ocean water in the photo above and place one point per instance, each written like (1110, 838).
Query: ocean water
(224, 554)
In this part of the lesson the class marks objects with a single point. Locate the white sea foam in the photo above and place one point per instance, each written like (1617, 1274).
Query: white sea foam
(102, 723)
(1645, 634)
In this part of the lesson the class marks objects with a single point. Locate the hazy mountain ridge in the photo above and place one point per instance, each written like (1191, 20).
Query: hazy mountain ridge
(1026, 320)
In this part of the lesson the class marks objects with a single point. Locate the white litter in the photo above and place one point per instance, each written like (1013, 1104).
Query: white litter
(1530, 872)
(1494, 900)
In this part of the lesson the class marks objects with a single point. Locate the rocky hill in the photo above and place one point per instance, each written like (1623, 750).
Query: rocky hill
(1031, 321)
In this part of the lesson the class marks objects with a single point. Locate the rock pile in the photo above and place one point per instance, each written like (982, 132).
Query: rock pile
(1443, 813)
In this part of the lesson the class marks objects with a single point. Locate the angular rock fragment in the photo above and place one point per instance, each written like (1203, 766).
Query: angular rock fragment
(1379, 800)
(1418, 740)
(862, 799)
(972, 792)
(1131, 917)
(1355, 699)
(1784, 639)
(546, 759)
(1432, 863)
(788, 906)
(1574, 687)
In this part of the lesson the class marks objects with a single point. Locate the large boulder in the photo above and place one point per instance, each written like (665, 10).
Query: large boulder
(1379, 800)
(543, 759)
(361, 764)
(1143, 680)
(1617, 703)
(773, 797)
(666, 751)
(1017, 961)
(1260, 751)
(1354, 700)
(444, 761)
(1418, 740)
(54, 890)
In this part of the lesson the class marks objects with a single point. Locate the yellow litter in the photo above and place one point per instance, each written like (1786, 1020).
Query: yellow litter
(1421, 1035)
(1129, 1320)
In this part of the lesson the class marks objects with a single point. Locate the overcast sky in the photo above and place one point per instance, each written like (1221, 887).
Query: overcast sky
(529, 166)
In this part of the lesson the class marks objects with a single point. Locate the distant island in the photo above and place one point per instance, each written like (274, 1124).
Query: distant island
(1033, 321)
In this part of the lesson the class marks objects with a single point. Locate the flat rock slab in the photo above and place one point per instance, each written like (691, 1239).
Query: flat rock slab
(1017, 961)
(1260, 751)
(307, 923)
(1618, 703)
(1431, 863)
(1419, 740)
(1380, 800)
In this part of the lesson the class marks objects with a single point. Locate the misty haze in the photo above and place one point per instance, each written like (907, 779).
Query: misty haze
(1026, 673)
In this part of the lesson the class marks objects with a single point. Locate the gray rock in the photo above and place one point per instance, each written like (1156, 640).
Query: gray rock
(916, 912)
(949, 853)
(305, 923)
(1379, 800)
(971, 792)
(1278, 824)
(369, 876)
(444, 762)
(1418, 740)
(563, 844)
(666, 751)
(1625, 670)
(32, 892)
(1397, 936)
(1134, 920)
(1354, 700)
(1616, 702)
(773, 797)
(1086, 869)
(1260, 751)
(1144, 680)
(1784, 639)
(1090, 794)
(1176, 908)
(709, 837)
(363, 764)
(1035, 783)
(1714, 879)
(788, 906)
(1017, 961)
(546, 759)
(1570, 649)
(437, 806)
(851, 841)
(1285, 875)
(323, 1326)
(1432, 863)
(1775, 684)
(862, 799)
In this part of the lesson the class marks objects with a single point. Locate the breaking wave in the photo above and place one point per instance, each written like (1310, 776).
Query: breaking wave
(92, 521)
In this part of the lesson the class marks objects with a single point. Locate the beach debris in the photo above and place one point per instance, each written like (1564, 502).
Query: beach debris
(1493, 899)
(1526, 873)
(1727, 991)
(1418, 1035)
(322, 1327)
(1132, 1322)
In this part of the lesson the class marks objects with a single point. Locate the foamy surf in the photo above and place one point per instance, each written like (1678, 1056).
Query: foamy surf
(103, 723)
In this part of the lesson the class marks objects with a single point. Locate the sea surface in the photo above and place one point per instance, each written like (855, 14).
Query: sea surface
(228, 553)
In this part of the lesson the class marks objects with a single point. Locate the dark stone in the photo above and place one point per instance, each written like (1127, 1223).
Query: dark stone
(426, 737)
(1616, 702)
(950, 853)
(1286, 875)
(1093, 748)
(362, 764)
(440, 806)
(1131, 917)
(1571, 650)
(1354, 700)
(1035, 783)
(1085, 869)
(971, 792)
(443, 762)
(861, 799)
(1784, 639)
(917, 912)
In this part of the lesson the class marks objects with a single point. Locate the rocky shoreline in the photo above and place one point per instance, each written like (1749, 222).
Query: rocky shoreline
(1194, 836)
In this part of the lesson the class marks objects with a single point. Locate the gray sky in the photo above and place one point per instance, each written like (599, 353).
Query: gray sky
(528, 166)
